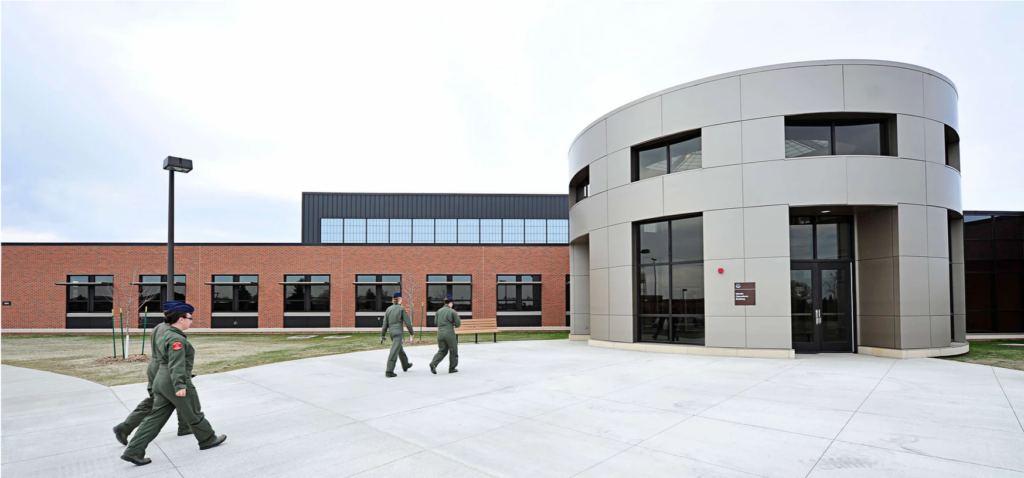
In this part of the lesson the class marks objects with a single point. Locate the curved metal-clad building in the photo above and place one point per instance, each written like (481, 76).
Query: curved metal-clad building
(803, 207)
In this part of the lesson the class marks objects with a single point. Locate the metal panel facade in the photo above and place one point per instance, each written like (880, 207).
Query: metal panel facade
(316, 206)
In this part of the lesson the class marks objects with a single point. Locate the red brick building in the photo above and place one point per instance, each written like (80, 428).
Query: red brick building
(500, 256)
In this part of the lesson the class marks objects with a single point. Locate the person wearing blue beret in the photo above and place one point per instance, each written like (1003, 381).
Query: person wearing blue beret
(447, 321)
(394, 318)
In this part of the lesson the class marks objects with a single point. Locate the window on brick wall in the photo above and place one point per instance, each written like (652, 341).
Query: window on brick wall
(460, 287)
(152, 297)
(90, 293)
(519, 293)
(236, 293)
(307, 293)
(374, 291)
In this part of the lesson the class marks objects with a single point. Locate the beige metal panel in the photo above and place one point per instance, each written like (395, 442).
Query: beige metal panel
(765, 231)
(599, 248)
(587, 215)
(764, 139)
(718, 288)
(703, 190)
(934, 142)
(592, 144)
(579, 324)
(956, 226)
(620, 245)
(599, 176)
(634, 125)
(802, 182)
(915, 332)
(877, 180)
(579, 257)
(599, 292)
(792, 91)
(883, 89)
(940, 101)
(635, 201)
(599, 327)
(938, 232)
(620, 290)
(705, 104)
(910, 137)
(913, 280)
(580, 294)
(620, 328)
(619, 169)
(960, 328)
(938, 286)
(876, 237)
(913, 230)
(878, 331)
(940, 331)
(944, 187)
(769, 332)
(725, 331)
(723, 234)
(959, 290)
(875, 287)
(771, 276)
(722, 145)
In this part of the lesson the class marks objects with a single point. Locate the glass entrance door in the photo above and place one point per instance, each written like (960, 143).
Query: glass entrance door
(821, 296)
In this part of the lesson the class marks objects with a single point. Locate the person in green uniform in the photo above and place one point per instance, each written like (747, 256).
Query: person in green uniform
(394, 318)
(447, 321)
(125, 428)
(173, 390)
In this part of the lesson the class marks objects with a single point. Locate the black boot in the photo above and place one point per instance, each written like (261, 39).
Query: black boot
(136, 460)
(214, 441)
(406, 368)
(454, 370)
(390, 374)
(433, 369)
(184, 432)
(121, 435)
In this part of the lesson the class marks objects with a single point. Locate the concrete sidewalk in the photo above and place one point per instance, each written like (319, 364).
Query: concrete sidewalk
(544, 408)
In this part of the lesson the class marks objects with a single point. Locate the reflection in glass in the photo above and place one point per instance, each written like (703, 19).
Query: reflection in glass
(223, 296)
(688, 330)
(366, 298)
(654, 329)
(860, 139)
(653, 243)
(688, 289)
(1009, 227)
(835, 306)
(654, 290)
(506, 297)
(653, 162)
(528, 299)
(320, 298)
(685, 155)
(801, 239)
(833, 238)
(977, 227)
(435, 297)
(979, 291)
(688, 239)
(808, 141)
(802, 305)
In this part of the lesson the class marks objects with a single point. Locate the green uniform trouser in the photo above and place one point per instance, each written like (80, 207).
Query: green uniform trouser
(166, 402)
(142, 410)
(447, 342)
(397, 352)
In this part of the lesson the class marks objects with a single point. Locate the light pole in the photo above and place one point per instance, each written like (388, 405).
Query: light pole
(181, 165)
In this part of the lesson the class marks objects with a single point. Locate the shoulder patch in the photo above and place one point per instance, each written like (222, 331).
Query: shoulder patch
(176, 346)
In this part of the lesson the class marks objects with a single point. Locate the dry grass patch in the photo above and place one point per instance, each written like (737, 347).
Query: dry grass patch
(993, 354)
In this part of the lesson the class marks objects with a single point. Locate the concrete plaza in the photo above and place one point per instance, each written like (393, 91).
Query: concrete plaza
(546, 408)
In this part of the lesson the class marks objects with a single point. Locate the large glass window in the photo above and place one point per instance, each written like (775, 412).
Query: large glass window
(377, 231)
(307, 293)
(469, 231)
(154, 296)
(355, 231)
(840, 137)
(512, 231)
(536, 231)
(401, 231)
(558, 231)
(90, 293)
(519, 293)
(423, 231)
(460, 287)
(670, 275)
(994, 277)
(819, 237)
(236, 293)
(490, 231)
(446, 231)
(680, 153)
(331, 230)
(374, 292)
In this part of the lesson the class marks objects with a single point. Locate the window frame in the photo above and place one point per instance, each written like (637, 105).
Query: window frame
(234, 293)
(884, 122)
(448, 287)
(90, 300)
(380, 304)
(307, 299)
(665, 142)
(538, 298)
(161, 297)
(669, 264)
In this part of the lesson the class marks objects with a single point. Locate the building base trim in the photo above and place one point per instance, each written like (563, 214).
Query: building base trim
(579, 337)
(1007, 336)
(957, 348)
(694, 349)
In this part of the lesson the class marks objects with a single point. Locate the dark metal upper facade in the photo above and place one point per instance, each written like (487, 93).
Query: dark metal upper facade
(317, 206)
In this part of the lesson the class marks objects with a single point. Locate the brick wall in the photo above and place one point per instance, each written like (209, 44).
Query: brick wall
(30, 271)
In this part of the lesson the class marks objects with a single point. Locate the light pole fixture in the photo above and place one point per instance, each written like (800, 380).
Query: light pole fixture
(172, 165)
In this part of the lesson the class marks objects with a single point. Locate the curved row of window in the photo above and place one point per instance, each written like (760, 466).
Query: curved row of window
(444, 231)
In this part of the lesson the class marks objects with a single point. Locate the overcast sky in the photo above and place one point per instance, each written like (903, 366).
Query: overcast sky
(273, 99)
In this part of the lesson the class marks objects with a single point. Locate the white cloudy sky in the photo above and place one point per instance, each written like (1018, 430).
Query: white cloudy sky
(272, 99)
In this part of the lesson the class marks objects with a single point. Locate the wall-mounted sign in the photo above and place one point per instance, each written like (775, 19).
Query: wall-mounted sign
(745, 293)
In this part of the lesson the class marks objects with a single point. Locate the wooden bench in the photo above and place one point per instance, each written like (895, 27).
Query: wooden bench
(477, 327)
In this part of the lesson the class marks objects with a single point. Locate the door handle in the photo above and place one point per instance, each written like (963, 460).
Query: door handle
(817, 316)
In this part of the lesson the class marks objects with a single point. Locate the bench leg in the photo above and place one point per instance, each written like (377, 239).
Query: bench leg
(476, 338)
(495, 337)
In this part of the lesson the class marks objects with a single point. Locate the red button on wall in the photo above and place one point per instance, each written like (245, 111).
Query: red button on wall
(720, 270)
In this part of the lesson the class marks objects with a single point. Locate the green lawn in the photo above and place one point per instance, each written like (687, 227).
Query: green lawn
(77, 355)
(989, 352)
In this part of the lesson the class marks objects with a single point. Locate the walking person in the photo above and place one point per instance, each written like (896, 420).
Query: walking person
(173, 390)
(125, 428)
(394, 317)
(447, 321)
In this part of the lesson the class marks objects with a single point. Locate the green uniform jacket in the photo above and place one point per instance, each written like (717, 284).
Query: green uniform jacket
(154, 361)
(176, 360)
(447, 320)
(393, 319)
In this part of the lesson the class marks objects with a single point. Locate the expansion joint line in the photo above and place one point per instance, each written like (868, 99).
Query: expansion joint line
(1007, 397)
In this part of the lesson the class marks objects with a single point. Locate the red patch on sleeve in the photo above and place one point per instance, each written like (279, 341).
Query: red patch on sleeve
(176, 346)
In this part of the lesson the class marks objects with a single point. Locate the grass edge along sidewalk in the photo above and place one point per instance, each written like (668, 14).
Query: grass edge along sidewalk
(79, 355)
(991, 352)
